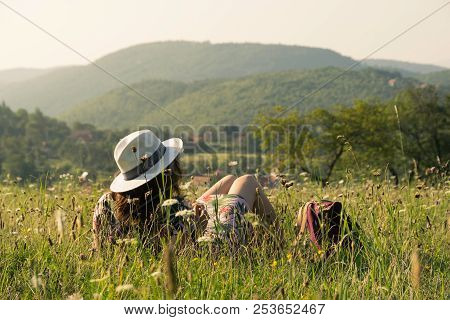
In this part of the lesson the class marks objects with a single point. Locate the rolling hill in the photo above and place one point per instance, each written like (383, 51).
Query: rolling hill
(439, 78)
(20, 74)
(406, 68)
(234, 101)
(56, 91)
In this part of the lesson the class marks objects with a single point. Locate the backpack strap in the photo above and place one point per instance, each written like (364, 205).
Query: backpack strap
(302, 217)
(306, 217)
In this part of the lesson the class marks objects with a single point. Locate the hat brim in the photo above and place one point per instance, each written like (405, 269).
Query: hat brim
(173, 146)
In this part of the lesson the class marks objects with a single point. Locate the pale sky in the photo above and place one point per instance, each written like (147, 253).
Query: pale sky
(97, 27)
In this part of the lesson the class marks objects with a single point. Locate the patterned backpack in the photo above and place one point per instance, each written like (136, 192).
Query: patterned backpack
(325, 223)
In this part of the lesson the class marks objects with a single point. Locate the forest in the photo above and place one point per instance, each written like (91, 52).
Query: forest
(400, 137)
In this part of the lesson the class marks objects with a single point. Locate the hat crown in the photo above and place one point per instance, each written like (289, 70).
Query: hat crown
(133, 147)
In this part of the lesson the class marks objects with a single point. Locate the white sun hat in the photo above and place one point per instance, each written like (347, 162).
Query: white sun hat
(141, 156)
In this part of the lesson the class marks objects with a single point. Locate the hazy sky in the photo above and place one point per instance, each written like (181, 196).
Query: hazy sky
(97, 27)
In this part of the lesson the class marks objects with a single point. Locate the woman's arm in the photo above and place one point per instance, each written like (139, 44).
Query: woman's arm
(102, 220)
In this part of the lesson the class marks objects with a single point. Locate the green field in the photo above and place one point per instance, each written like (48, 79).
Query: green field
(404, 253)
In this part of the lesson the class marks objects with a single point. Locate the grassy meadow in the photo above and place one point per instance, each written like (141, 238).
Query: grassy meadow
(45, 241)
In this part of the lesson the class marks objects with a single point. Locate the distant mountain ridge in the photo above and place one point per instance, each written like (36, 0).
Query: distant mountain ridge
(406, 68)
(20, 74)
(58, 90)
(439, 78)
(174, 72)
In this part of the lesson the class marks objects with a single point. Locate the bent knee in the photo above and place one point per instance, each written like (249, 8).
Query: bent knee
(248, 178)
(229, 177)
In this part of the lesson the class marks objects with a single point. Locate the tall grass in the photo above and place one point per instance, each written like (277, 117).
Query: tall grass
(45, 241)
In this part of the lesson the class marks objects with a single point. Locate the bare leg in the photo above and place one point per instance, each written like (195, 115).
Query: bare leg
(248, 188)
(221, 187)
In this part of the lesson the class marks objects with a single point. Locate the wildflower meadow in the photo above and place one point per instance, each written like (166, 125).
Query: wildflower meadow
(46, 241)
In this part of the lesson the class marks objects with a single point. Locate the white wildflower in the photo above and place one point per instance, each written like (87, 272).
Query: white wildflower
(169, 202)
(83, 176)
(75, 296)
(205, 239)
(100, 279)
(232, 163)
(185, 213)
(157, 275)
(124, 287)
(60, 217)
(186, 185)
(36, 282)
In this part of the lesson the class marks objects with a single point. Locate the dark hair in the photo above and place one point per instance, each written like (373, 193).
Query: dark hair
(143, 203)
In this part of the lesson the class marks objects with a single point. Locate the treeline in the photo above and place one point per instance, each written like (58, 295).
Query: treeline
(398, 139)
(407, 136)
(33, 145)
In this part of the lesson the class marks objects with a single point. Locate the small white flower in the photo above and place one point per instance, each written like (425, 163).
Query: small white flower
(232, 163)
(186, 185)
(341, 181)
(60, 218)
(100, 279)
(97, 296)
(157, 274)
(75, 296)
(124, 287)
(83, 176)
(133, 200)
(169, 202)
(185, 213)
(205, 239)
(36, 282)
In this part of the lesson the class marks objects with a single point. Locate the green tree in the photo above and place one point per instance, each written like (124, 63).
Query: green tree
(424, 123)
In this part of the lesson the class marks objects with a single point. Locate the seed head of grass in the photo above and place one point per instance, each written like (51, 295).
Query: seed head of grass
(232, 163)
(170, 269)
(205, 239)
(60, 218)
(169, 202)
(415, 269)
(75, 296)
(37, 282)
(124, 287)
(185, 213)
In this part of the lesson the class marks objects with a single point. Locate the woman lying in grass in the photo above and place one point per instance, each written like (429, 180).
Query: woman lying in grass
(145, 197)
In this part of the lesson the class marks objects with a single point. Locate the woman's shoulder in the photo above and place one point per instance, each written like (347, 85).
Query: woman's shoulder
(106, 197)
(104, 204)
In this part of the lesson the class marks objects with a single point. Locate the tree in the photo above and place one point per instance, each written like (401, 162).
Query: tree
(367, 134)
(294, 143)
(424, 120)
